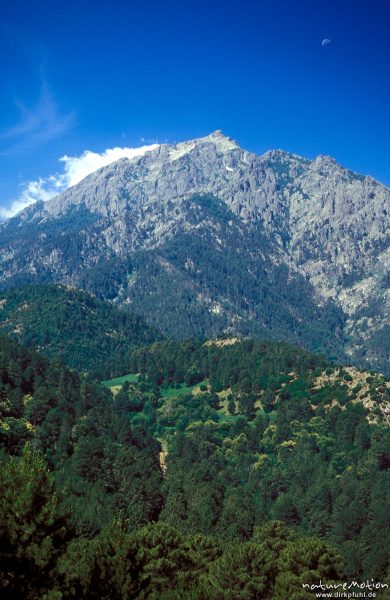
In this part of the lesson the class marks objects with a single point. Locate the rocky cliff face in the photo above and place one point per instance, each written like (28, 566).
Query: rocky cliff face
(204, 237)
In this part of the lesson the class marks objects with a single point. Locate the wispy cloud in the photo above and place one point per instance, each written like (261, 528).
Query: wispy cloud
(75, 169)
(33, 191)
(37, 124)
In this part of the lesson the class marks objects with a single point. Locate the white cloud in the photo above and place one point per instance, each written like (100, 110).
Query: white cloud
(78, 167)
(75, 169)
(33, 191)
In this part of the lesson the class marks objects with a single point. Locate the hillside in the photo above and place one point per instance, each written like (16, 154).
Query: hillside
(205, 238)
(264, 373)
(249, 453)
(73, 327)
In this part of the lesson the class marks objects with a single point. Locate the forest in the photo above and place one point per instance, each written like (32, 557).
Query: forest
(73, 327)
(220, 470)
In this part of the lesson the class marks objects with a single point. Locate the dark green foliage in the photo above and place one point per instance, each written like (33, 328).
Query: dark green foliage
(247, 365)
(240, 574)
(30, 527)
(73, 327)
(266, 473)
(103, 464)
(303, 562)
(278, 450)
(107, 567)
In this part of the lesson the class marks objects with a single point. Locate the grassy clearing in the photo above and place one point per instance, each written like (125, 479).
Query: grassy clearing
(116, 384)
(119, 381)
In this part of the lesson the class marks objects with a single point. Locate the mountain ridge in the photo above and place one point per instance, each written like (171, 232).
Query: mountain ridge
(321, 223)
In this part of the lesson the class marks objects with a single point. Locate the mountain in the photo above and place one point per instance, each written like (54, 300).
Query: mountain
(204, 238)
(72, 326)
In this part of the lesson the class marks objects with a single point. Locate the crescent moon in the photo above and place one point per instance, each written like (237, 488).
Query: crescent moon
(325, 42)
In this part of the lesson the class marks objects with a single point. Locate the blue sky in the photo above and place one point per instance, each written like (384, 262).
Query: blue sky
(80, 76)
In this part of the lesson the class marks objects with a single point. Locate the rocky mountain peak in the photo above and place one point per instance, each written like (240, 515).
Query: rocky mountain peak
(216, 141)
(325, 159)
(218, 137)
(312, 218)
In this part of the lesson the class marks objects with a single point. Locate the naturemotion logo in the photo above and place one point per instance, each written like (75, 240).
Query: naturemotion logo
(346, 589)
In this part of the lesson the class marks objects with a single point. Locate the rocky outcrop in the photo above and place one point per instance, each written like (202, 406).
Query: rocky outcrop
(320, 222)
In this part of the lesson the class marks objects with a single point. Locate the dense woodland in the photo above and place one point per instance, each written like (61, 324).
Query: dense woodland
(219, 472)
(73, 327)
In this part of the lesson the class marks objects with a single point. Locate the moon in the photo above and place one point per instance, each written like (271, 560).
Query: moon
(325, 42)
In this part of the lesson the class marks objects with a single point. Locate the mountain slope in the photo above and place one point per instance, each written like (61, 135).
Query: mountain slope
(205, 238)
(267, 432)
(72, 326)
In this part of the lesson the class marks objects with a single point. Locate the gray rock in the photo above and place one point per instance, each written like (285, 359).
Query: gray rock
(323, 222)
